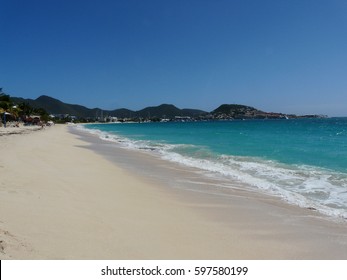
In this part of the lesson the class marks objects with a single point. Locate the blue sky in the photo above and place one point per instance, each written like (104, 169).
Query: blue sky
(275, 55)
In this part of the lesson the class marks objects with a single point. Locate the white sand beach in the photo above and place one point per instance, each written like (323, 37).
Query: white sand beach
(59, 199)
(20, 129)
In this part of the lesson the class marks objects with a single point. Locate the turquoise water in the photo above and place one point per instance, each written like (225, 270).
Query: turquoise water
(303, 161)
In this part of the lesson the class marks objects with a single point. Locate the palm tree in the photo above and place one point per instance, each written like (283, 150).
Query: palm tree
(7, 106)
(4, 101)
(26, 109)
(14, 111)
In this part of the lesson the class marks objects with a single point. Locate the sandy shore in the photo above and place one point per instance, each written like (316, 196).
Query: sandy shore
(60, 199)
(18, 130)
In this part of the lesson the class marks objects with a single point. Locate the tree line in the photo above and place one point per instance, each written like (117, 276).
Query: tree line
(20, 111)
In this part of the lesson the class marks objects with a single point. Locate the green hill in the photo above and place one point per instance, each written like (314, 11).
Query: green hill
(169, 111)
(55, 106)
(161, 111)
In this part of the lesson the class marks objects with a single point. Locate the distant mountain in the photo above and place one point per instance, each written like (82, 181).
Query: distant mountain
(193, 112)
(122, 113)
(169, 111)
(165, 111)
(237, 111)
(233, 109)
(161, 111)
(55, 106)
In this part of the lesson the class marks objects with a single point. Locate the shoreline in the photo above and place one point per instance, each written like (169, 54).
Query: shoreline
(297, 184)
(64, 196)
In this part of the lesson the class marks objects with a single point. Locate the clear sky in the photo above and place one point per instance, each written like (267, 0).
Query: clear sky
(283, 56)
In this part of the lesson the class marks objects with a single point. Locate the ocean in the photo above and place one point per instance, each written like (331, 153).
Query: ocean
(302, 161)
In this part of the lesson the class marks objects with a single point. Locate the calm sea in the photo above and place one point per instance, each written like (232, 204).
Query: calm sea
(302, 161)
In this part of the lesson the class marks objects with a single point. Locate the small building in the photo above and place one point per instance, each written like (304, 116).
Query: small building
(32, 120)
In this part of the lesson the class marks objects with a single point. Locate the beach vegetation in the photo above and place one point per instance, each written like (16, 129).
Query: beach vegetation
(19, 110)
(4, 101)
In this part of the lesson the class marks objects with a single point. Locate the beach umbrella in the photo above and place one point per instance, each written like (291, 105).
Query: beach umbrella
(1, 112)
(5, 113)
